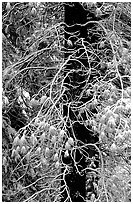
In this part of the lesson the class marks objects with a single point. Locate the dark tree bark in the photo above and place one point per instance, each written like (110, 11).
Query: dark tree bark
(75, 17)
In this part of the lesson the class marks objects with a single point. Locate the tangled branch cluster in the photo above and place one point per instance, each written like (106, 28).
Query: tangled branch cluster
(37, 84)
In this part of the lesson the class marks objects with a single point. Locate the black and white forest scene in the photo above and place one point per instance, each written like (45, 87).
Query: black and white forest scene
(66, 101)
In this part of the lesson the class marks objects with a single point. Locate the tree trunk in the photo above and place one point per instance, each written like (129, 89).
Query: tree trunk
(75, 83)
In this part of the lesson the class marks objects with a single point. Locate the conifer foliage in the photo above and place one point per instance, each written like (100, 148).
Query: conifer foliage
(66, 101)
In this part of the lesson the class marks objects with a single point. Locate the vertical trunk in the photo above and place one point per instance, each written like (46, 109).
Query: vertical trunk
(76, 82)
